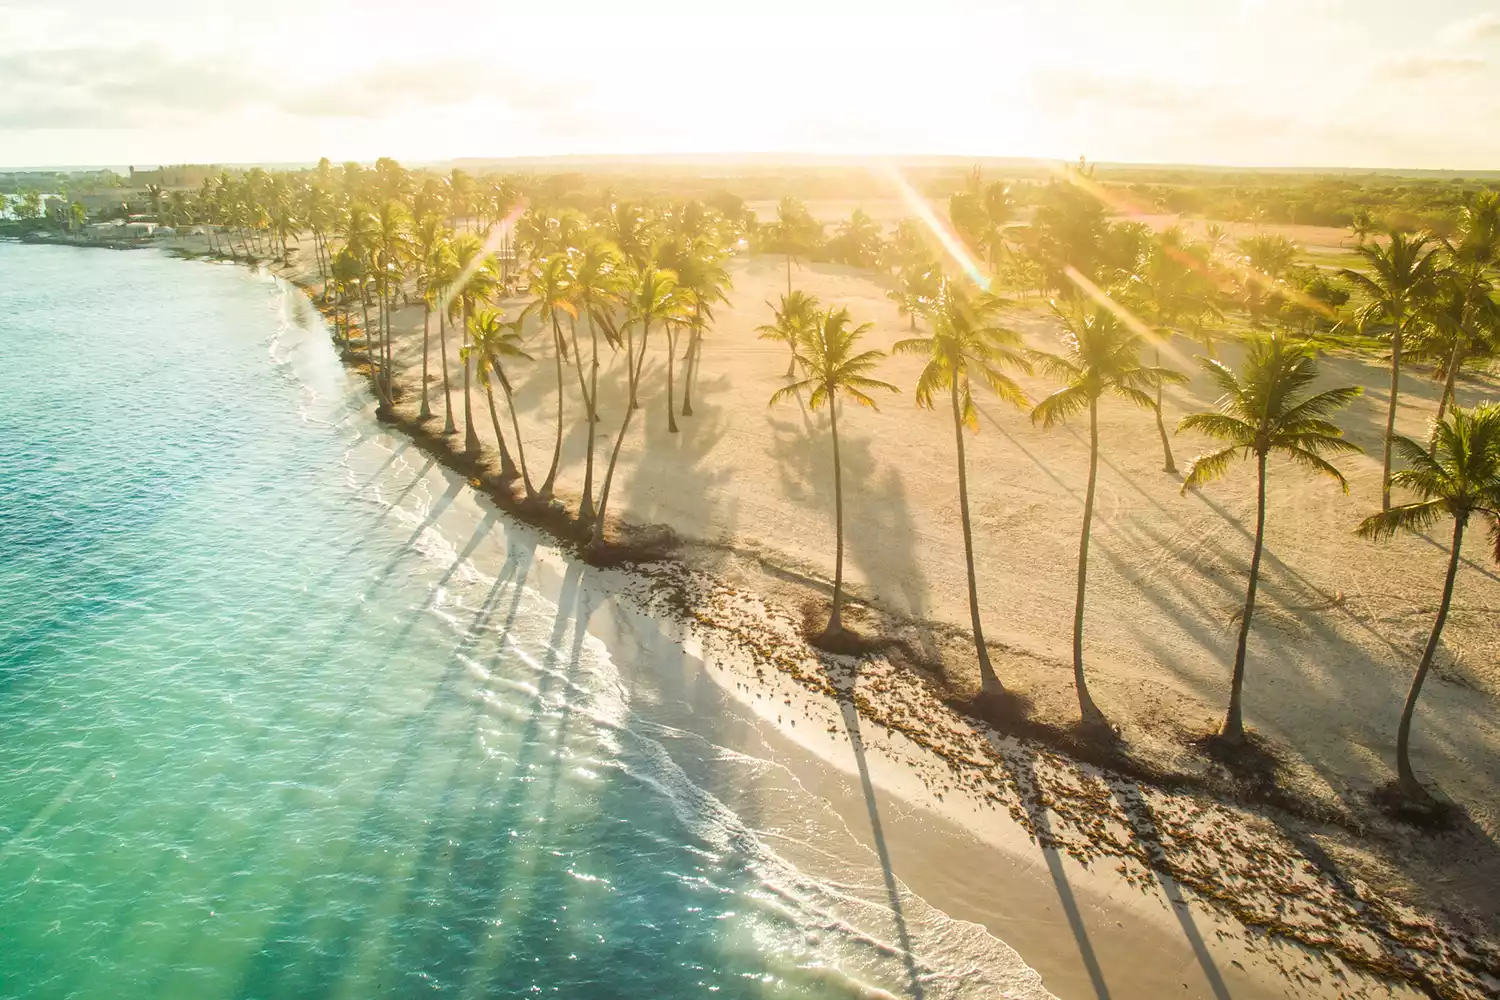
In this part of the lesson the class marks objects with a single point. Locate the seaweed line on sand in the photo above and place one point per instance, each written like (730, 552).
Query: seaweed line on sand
(1084, 797)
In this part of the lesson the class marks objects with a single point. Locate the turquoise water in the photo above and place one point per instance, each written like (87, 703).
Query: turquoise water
(285, 713)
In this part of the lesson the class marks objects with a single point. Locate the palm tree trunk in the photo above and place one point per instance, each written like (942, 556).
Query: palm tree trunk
(835, 624)
(1411, 788)
(448, 425)
(426, 412)
(791, 365)
(989, 683)
(640, 366)
(557, 350)
(687, 371)
(1390, 420)
(671, 357)
(364, 308)
(633, 376)
(1168, 465)
(507, 465)
(1086, 707)
(471, 439)
(515, 423)
(590, 392)
(1234, 720)
(1455, 361)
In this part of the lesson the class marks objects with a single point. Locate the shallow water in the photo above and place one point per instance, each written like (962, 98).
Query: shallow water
(284, 713)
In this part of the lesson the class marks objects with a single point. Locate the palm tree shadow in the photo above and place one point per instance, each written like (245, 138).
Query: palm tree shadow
(1022, 768)
(844, 684)
(1143, 827)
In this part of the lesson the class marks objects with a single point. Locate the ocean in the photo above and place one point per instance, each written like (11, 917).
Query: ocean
(287, 711)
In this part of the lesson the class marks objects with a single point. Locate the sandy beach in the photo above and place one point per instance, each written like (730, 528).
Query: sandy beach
(1341, 621)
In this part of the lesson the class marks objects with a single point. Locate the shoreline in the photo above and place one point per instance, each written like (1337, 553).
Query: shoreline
(1193, 849)
(1006, 790)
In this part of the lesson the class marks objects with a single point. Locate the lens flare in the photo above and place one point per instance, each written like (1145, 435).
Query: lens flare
(944, 234)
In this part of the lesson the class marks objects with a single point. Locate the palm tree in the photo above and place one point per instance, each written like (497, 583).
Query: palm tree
(1475, 251)
(490, 339)
(798, 310)
(429, 246)
(965, 345)
(391, 248)
(833, 370)
(438, 272)
(1100, 355)
(1266, 261)
(1461, 478)
(474, 282)
(793, 233)
(701, 281)
(1401, 277)
(551, 291)
(597, 288)
(652, 298)
(1264, 410)
(705, 280)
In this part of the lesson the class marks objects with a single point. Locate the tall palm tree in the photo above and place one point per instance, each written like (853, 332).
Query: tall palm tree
(1265, 410)
(652, 299)
(797, 312)
(598, 286)
(966, 345)
(1460, 479)
(705, 279)
(428, 246)
(438, 271)
(701, 280)
(833, 370)
(392, 246)
(474, 283)
(552, 297)
(1100, 356)
(1401, 278)
(1475, 251)
(490, 340)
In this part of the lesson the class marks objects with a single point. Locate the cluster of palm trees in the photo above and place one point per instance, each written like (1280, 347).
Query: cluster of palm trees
(607, 277)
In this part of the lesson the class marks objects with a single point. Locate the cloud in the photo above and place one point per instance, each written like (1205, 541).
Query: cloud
(109, 87)
(1471, 30)
(1429, 66)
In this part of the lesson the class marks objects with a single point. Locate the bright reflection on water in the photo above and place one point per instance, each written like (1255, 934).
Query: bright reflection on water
(270, 727)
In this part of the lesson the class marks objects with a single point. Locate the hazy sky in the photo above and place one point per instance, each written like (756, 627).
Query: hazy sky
(1262, 82)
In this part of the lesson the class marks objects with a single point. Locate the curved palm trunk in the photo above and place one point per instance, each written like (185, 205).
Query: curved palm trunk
(507, 466)
(1456, 360)
(515, 424)
(471, 439)
(426, 412)
(791, 365)
(640, 366)
(989, 683)
(671, 405)
(1086, 707)
(1234, 720)
(557, 349)
(633, 375)
(1411, 788)
(1390, 420)
(1168, 465)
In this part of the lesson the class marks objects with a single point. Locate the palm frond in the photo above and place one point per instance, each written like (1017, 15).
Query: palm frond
(1221, 426)
(1060, 406)
(1406, 517)
(1206, 468)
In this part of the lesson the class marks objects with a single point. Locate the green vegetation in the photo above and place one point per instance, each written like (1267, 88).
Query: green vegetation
(625, 255)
